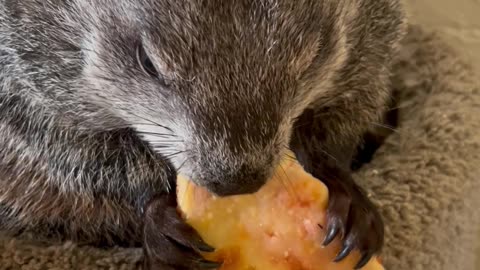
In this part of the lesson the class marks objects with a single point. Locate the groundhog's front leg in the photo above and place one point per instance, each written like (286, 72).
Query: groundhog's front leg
(350, 215)
(168, 242)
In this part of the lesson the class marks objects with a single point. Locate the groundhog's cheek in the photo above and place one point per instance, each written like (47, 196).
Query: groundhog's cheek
(278, 228)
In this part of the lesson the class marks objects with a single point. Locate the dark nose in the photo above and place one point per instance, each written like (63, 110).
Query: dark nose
(227, 178)
(229, 189)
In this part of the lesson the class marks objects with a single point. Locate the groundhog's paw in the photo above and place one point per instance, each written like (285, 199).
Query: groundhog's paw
(169, 243)
(352, 217)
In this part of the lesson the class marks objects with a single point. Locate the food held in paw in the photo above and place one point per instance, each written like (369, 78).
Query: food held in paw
(277, 228)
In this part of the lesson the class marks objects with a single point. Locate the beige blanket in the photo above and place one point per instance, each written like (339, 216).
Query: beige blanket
(425, 177)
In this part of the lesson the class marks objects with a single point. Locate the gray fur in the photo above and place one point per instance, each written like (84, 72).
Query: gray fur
(77, 114)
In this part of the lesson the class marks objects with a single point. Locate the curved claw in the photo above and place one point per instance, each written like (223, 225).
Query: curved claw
(204, 264)
(356, 221)
(169, 242)
(364, 260)
(332, 232)
(344, 252)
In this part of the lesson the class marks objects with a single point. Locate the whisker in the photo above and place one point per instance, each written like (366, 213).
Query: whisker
(118, 126)
(165, 141)
(160, 139)
(297, 125)
(156, 134)
(146, 124)
(329, 155)
(276, 176)
(288, 186)
(173, 154)
(166, 148)
(181, 165)
(153, 122)
(290, 156)
(160, 146)
(385, 126)
(402, 106)
(398, 107)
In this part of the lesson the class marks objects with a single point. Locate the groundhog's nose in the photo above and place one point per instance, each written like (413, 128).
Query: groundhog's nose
(236, 184)
(229, 189)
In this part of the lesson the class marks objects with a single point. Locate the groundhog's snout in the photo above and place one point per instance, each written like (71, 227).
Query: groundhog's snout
(235, 165)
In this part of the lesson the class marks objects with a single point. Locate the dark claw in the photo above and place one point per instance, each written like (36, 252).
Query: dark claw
(364, 260)
(204, 247)
(347, 248)
(352, 218)
(169, 242)
(178, 231)
(209, 265)
(332, 231)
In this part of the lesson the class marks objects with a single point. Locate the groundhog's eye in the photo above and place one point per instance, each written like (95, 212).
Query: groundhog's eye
(145, 62)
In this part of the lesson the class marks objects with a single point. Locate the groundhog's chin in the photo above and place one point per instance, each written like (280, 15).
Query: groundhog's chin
(276, 228)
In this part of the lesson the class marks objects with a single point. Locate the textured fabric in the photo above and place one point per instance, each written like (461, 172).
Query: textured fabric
(424, 178)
